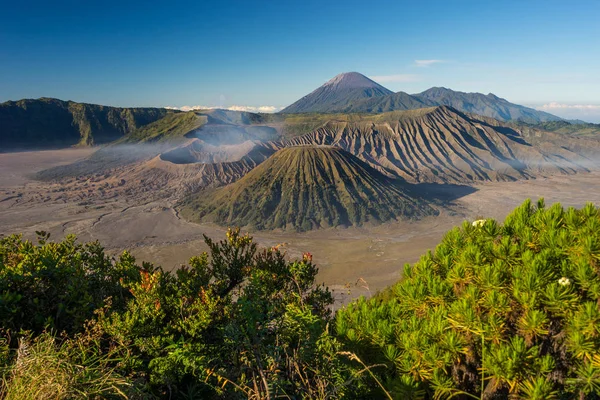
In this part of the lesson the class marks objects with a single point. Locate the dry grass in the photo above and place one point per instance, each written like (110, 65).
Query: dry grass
(48, 368)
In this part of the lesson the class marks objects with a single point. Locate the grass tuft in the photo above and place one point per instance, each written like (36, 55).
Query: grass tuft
(47, 367)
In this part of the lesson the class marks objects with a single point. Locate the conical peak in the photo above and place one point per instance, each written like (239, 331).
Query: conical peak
(352, 80)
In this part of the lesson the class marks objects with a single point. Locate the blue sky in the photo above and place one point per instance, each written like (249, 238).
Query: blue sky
(270, 53)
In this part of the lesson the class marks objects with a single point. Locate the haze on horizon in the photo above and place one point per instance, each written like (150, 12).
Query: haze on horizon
(266, 55)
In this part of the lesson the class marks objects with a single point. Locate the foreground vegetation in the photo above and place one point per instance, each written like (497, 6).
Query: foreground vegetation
(238, 322)
(496, 311)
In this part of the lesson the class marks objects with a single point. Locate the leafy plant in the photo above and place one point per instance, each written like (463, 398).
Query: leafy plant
(57, 286)
(496, 311)
(236, 320)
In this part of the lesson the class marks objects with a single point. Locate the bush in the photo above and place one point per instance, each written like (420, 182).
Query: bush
(237, 322)
(57, 286)
(497, 311)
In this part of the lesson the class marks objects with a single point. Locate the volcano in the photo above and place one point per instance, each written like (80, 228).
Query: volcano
(307, 187)
(335, 94)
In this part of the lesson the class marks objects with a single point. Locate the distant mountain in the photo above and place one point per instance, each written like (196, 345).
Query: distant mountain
(353, 92)
(391, 102)
(51, 122)
(488, 105)
(336, 94)
(303, 188)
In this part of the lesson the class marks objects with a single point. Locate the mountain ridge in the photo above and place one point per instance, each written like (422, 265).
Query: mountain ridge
(444, 145)
(488, 105)
(329, 98)
(49, 122)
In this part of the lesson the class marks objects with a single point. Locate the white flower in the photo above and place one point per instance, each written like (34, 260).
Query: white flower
(564, 281)
(479, 223)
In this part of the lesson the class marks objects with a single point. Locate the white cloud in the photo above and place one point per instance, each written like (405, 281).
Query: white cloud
(585, 112)
(261, 109)
(555, 105)
(395, 78)
(427, 63)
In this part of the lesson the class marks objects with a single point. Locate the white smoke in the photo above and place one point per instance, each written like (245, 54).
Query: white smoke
(555, 105)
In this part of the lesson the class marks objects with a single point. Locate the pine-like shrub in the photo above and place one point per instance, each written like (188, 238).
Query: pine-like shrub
(496, 311)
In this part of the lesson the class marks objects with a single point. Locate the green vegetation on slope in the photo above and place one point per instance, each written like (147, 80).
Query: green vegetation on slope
(496, 312)
(567, 128)
(51, 122)
(303, 188)
(172, 126)
(391, 102)
(300, 124)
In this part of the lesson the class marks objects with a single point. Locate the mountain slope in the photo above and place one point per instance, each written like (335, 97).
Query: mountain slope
(181, 152)
(172, 126)
(585, 129)
(487, 105)
(303, 188)
(338, 93)
(195, 166)
(442, 144)
(391, 102)
(51, 122)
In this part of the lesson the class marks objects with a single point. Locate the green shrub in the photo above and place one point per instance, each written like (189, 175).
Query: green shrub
(238, 322)
(57, 286)
(497, 311)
